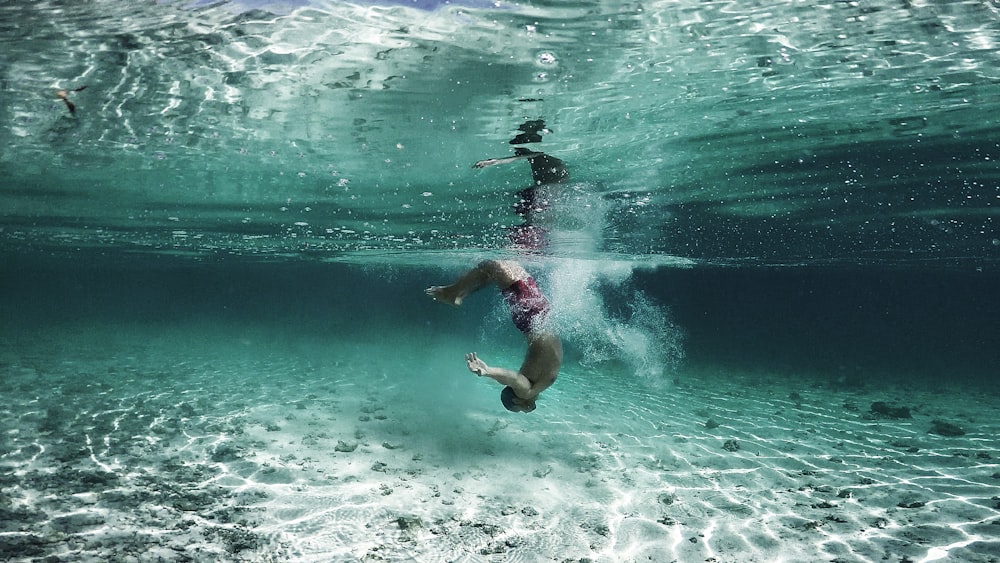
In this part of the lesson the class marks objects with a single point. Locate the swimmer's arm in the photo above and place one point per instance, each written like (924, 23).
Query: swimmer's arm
(506, 160)
(513, 379)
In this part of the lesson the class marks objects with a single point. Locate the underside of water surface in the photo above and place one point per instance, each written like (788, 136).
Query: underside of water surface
(722, 132)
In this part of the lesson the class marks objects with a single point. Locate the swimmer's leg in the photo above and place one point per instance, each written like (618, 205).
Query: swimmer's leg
(499, 272)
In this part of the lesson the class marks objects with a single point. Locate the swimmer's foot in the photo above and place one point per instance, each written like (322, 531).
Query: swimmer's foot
(445, 294)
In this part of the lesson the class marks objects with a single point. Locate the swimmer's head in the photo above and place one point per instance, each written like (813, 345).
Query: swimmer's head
(513, 403)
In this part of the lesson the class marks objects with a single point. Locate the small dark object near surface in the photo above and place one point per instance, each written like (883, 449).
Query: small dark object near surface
(943, 428)
(711, 423)
(885, 409)
(731, 446)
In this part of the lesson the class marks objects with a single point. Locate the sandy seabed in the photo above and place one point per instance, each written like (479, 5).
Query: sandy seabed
(195, 443)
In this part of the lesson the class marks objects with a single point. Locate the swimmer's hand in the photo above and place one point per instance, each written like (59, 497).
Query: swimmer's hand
(476, 365)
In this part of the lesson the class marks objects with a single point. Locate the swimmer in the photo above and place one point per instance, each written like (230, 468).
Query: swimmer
(64, 96)
(528, 309)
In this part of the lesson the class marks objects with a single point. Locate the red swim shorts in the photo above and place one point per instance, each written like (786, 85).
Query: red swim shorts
(528, 306)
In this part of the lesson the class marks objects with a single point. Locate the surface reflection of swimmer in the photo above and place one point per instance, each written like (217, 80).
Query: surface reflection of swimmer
(546, 172)
(545, 169)
(528, 309)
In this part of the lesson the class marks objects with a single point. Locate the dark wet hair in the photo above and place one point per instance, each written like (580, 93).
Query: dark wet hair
(509, 400)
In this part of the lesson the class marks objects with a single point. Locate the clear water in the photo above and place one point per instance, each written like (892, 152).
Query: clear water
(797, 132)
(211, 276)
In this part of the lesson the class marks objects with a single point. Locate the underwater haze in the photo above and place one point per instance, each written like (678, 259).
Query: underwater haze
(767, 232)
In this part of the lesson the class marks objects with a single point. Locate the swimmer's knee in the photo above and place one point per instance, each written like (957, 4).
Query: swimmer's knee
(502, 272)
(490, 265)
(491, 268)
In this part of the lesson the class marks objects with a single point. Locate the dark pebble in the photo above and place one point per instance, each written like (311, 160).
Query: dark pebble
(12, 547)
(226, 452)
(74, 523)
(344, 447)
(943, 428)
(11, 519)
(237, 539)
(408, 523)
(891, 411)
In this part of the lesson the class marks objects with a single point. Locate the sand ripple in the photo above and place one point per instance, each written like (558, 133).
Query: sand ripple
(330, 453)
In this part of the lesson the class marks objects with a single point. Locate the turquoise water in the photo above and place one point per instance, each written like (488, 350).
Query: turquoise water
(213, 249)
(847, 132)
